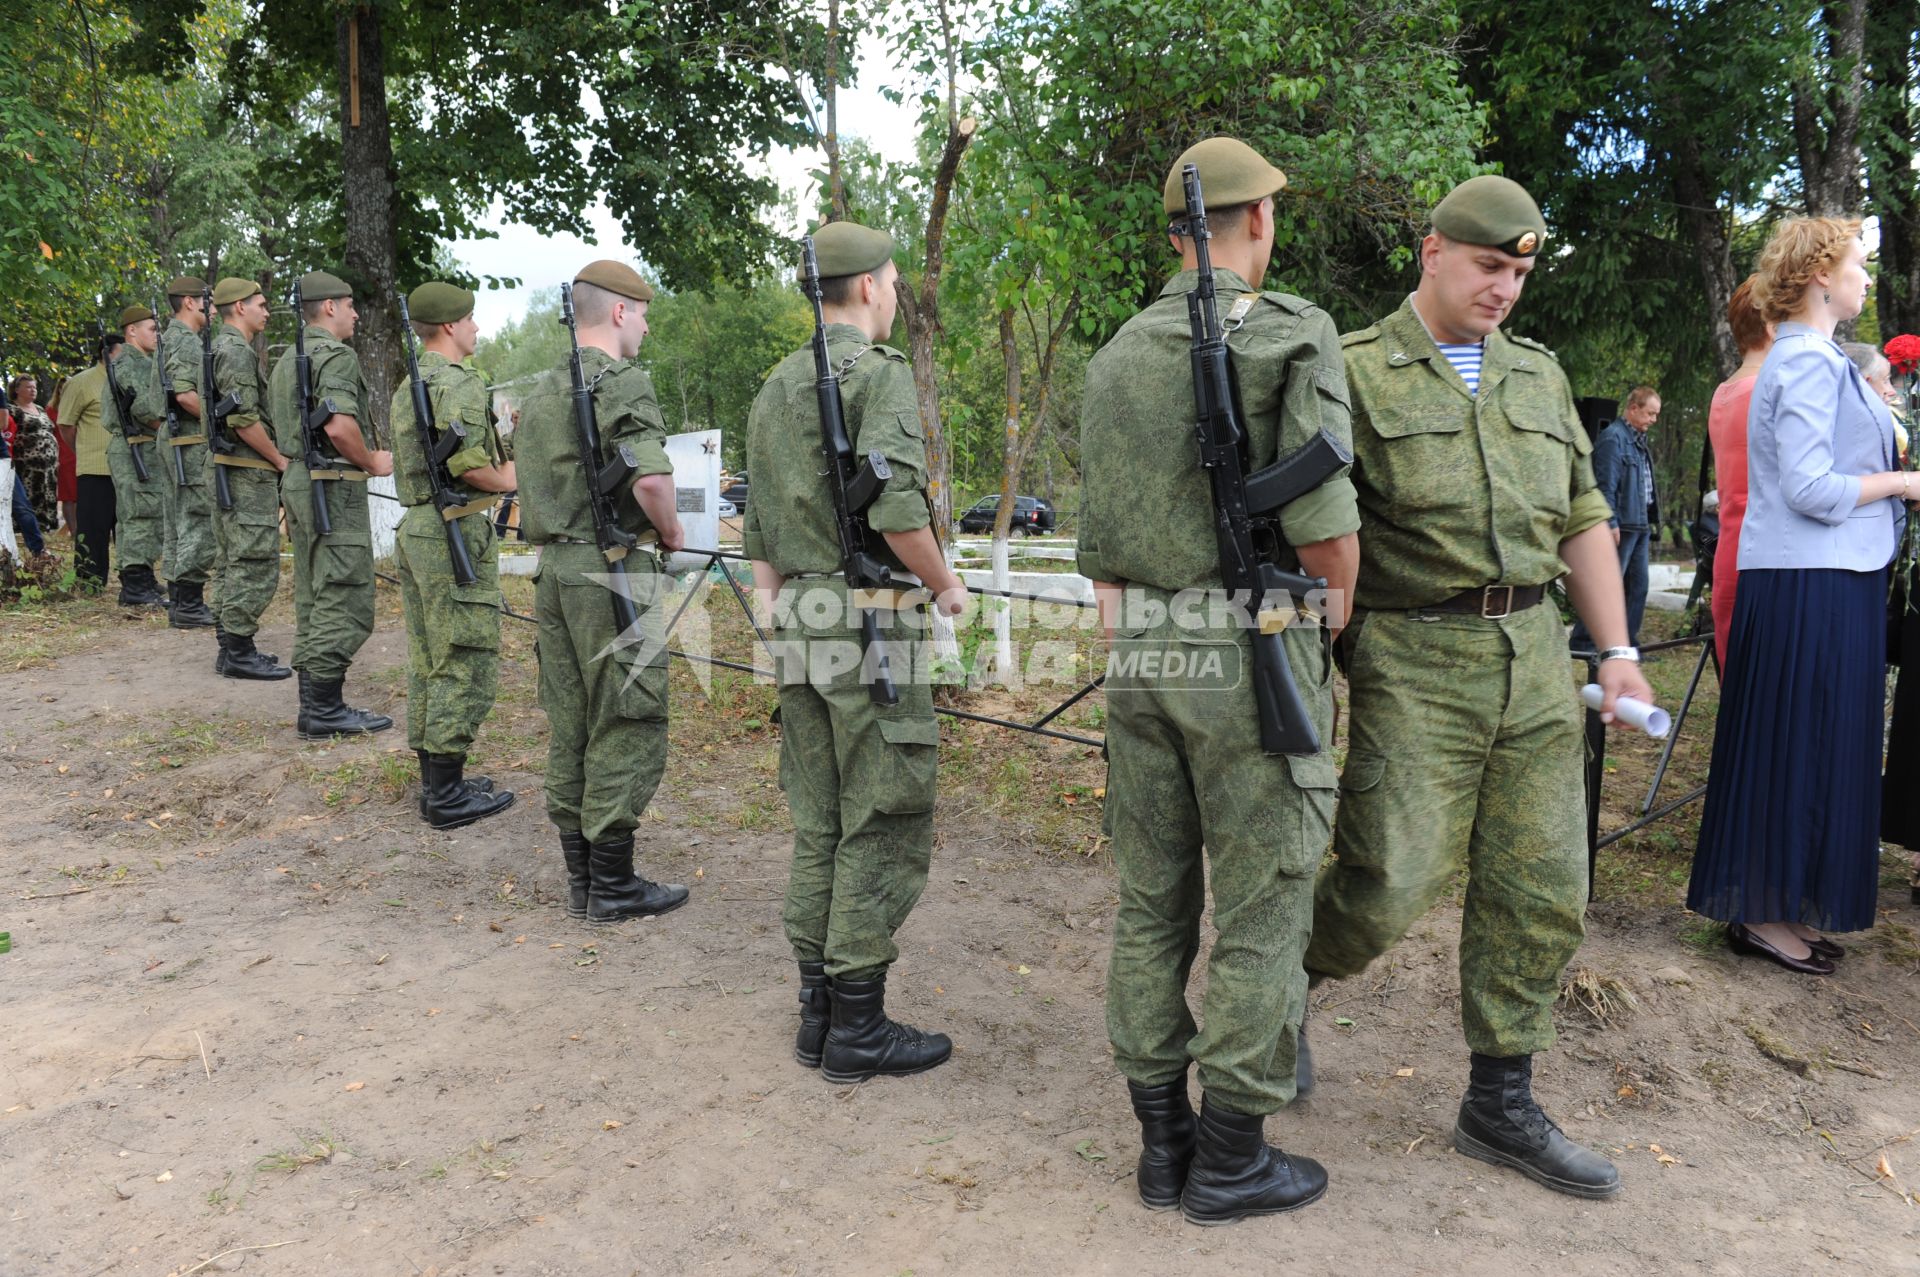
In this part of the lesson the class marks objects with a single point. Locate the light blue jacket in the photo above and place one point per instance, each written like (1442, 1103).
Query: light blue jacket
(1815, 429)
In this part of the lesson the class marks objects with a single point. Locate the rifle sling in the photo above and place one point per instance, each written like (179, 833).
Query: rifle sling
(245, 463)
(181, 441)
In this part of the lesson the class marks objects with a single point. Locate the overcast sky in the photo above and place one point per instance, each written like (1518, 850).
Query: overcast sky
(543, 261)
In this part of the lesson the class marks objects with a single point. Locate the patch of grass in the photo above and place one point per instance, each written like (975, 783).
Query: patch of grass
(313, 1150)
(394, 775)
(1703, 935)
(1898, 944)
(1603, 997)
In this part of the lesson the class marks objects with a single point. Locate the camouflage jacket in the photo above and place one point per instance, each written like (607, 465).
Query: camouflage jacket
(1459, 491)
(236, 372)
(457, 393)
(335, 370)
(789, 521)
(553, 478)
(1146, 504)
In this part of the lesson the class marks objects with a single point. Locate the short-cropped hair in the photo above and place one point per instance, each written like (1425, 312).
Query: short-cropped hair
(1801, 248)
(1640, 394)
(1744, 318)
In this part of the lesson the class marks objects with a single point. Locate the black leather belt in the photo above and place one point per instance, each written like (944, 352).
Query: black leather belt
(1490, 601)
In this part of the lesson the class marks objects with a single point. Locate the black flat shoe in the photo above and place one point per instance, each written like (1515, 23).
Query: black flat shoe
(1825, 948)
(1743, 941)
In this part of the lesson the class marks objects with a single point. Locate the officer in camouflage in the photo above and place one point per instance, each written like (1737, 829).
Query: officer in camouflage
(139, 507)
(176, 376)
(859, 778)
(453, 630)
(249, 534)
(1187, 774)
(1476, 493)
(332, 574)
(604, 692)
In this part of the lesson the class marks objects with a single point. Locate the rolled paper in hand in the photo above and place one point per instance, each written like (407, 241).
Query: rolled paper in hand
(1650, 719)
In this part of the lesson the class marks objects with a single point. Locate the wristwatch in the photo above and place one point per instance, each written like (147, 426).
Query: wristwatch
(1621, 654)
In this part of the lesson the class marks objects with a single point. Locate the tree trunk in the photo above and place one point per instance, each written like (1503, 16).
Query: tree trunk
(366, 174)
(836, 180)
(1706, 226)
(1826, 117)
(1891, 179)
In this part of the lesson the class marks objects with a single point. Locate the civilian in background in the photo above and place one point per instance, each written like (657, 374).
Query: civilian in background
(82, 409)
(25, 526)
(36, 453)
(1727, 428)
(1789, 843)
(69, 482)
(1623, 469)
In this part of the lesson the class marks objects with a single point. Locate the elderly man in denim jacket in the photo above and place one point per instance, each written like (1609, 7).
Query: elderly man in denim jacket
(1623, 469)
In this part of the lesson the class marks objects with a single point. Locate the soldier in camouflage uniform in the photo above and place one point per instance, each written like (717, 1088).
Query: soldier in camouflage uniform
(332, 574)
(1190, 793)
(1465, 746)
(453, 630)
(249, 534)
(859, 778)
(139, 505)
(176, 375)
(604, 692)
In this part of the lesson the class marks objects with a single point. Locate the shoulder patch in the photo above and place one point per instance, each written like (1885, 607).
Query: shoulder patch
(1288, 302)
(1531, 344)
(1360, 337)
(889, 352)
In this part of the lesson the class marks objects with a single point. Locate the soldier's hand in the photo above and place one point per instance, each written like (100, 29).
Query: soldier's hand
(673, 539)
(1617, 679)
(381, 464)
(952, 600)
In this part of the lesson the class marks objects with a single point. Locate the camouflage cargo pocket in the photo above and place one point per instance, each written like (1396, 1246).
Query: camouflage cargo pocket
(473, 617)
(1314, 777)
(914, 744)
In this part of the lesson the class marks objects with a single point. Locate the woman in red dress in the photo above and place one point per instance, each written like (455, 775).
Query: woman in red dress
(1727, 428)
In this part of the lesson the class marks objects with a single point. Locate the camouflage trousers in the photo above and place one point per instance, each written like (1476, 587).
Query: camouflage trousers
(140, 510)
(606, 707)
(249, 537)
(453, 631)
(190, 560)
(1465, 752)
(1186, 779)
(859, 780)
(332, 574)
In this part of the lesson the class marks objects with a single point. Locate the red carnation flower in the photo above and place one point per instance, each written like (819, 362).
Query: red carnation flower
(1903, 353)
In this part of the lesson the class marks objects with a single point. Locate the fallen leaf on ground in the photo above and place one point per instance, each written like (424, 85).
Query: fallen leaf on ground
(611, 1125)
(519, 939)
(356, 1086)
(1403, 1072)
(163, 1177)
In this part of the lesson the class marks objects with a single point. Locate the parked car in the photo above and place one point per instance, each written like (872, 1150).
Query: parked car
(735, 490)
(1031, 516)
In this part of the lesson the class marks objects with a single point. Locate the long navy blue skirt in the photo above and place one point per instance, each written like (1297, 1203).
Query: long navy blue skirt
(1791, 831)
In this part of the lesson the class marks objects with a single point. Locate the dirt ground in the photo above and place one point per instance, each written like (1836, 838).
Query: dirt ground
(256, 1013)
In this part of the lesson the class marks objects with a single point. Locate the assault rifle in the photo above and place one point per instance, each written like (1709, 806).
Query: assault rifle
(166, 393)
(214, 411)
(122, 407)
(313, 420)
(604, 479)
(853, 487)
(436, 451)
(1246, 508)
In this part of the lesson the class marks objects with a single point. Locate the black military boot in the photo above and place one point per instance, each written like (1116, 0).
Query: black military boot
(449, 803)
(615, 892)
(816, 1013)
(578, 855)
(138, 588)
(1166, 1141)
(240, 659)
(862, 1042)
(478, 784)
(219, 648)
(189, 610)
(1500, 1123)
(324, 714)
(1236, 1174)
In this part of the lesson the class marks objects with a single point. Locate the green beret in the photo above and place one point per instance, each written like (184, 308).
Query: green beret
(1495, 211)
(848, 248)
(233, 289)
(1231, 174)
(134, 315)
(186, 286)
(439, 303)
(319, 286)
(616, 277)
